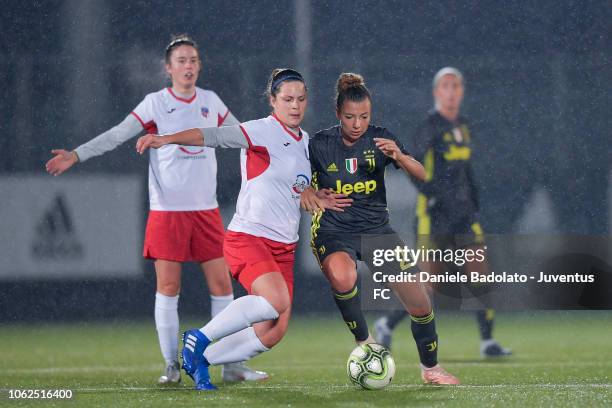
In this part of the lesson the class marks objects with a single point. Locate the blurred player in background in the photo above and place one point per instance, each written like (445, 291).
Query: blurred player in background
(184, 223)
(447, 204)
(261, 239)
(351, 158)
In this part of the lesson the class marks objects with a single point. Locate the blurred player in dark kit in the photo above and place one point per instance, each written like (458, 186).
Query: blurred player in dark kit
(447, 204)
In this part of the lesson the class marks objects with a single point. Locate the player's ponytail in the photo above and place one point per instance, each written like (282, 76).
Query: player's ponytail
(350, 87)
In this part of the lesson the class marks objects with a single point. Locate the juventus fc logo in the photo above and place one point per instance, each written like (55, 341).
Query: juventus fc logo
(351, 325)
(432, 346)
(369, 157)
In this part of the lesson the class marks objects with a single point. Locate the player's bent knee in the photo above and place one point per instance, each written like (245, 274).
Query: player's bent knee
(273, 288)
(419, 310)
(342, 280)
(280, 302)
(341, 271)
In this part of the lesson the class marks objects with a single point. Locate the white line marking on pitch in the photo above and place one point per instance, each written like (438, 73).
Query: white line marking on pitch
(298, 387)
(402, 386)
(156, 367)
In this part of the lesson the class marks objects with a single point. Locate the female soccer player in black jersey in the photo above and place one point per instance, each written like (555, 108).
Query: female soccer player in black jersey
(350, 158)
(447, 204)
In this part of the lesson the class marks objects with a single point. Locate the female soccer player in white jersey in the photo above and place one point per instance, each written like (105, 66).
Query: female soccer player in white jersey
(184, 223)
(260, 243)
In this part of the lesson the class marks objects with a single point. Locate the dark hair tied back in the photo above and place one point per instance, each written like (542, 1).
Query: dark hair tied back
(351, 87)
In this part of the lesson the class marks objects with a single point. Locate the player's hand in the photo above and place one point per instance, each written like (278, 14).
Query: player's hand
(333, 201)
(150, 142)
(62, 161)
(310, 202)
(388, 147)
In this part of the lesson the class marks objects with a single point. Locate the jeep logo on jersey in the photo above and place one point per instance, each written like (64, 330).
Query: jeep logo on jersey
(204, 111)
(365, 187)
(301, 183)
(351, 165)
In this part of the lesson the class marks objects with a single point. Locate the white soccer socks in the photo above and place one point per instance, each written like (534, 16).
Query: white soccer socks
(167, 324)
(239, 315)
(218, 303)
(240, 346)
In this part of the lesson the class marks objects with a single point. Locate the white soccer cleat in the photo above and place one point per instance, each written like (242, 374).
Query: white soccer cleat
(234, 372)
(172, 374)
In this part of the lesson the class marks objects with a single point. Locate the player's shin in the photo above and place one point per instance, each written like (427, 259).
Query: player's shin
(426, 338)
(239, 315)
(240, 346)
(167, 325)
(349, 304)
(485, 323)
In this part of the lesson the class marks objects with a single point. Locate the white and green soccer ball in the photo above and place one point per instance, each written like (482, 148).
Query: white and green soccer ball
(371, 366)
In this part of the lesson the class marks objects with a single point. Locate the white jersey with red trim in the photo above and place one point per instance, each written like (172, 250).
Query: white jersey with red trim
(275, 170)
(181, 178)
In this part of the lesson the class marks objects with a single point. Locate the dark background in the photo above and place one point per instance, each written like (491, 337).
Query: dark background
(538, 93)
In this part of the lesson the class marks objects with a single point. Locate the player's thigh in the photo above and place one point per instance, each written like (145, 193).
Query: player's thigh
(340, 270)
(273, 288)
(168, 275)
(414, 296)
(217, 277)
(271, 332)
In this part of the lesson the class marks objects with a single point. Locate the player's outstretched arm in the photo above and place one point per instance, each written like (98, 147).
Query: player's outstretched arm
(406, 162)
(190, 137)
(226, 137)
(105, 142)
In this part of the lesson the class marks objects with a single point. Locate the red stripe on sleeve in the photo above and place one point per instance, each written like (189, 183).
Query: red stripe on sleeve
(140, 120)
(244, 132)
(149, 127)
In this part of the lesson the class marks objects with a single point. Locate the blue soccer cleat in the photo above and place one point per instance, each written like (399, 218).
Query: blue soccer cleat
(201, 377)
(194, 362)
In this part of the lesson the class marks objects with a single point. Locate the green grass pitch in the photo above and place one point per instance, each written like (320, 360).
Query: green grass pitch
(561, 359)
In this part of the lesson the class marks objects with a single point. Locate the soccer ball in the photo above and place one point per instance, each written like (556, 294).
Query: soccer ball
(371, 366)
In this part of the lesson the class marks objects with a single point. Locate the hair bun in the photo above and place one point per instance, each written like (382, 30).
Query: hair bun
(349, 80)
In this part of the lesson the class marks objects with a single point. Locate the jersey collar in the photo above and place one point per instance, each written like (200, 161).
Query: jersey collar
(293, 135)
(182, 99)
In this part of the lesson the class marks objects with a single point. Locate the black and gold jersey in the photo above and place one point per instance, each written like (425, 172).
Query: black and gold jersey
(445, 149)
(357, 171)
